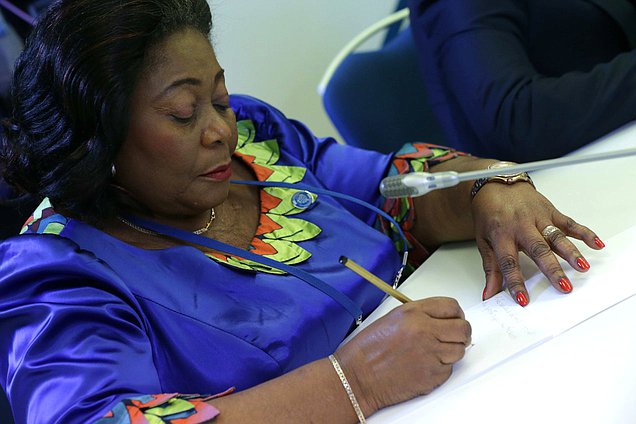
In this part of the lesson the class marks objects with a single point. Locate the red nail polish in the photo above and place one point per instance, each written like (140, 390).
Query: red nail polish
(522, 299)
(583, 264)
(565, 285)
(483, 295)
(599, 243)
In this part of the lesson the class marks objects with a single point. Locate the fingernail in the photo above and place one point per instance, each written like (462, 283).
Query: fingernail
(582, 263)
(522, 299)
(483, 295)
(599, 243)
(565, 285)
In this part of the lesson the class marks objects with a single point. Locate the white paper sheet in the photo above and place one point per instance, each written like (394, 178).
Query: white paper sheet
(502, 329)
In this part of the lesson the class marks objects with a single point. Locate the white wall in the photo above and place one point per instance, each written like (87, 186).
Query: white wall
(277, 50)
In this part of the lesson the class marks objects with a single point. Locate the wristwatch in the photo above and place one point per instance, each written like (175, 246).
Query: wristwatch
(503, 178)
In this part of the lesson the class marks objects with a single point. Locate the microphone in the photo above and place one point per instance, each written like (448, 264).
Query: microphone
(419, 183)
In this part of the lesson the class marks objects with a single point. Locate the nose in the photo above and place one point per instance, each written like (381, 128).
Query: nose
(218, 128)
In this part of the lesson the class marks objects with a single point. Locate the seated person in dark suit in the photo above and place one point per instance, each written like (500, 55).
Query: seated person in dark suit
(527, 80)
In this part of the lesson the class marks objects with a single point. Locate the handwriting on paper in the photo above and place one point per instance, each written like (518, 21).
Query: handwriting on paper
(507, 316)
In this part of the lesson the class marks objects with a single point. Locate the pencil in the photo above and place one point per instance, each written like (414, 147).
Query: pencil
(376, 281)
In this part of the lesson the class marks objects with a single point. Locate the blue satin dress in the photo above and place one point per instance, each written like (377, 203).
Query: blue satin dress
(93, 328)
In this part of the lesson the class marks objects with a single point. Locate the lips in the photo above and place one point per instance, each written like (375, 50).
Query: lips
(222, 173)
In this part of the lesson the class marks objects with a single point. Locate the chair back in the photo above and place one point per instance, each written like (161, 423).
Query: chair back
(377, 99)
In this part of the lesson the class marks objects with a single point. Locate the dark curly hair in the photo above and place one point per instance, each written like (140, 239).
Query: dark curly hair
(71, 92)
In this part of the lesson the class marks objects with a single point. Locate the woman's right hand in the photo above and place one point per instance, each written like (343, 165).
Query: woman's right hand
(407, 353)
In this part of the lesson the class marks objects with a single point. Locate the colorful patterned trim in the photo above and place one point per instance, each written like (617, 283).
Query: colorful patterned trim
(170, 408)
(44, 220)
(413, 157)
(277, 234)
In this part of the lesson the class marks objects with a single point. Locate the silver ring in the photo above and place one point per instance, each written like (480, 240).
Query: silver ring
(549, 231)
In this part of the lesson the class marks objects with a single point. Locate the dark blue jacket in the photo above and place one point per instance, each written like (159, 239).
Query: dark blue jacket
(526, 79)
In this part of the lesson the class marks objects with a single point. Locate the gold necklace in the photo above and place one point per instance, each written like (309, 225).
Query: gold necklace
(154, 233)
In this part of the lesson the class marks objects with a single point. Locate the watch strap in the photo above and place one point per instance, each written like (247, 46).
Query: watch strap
(502, 179)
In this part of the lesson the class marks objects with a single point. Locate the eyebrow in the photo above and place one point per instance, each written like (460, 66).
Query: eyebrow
(190, 81)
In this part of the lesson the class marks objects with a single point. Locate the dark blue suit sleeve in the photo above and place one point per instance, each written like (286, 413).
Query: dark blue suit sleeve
(477, 52)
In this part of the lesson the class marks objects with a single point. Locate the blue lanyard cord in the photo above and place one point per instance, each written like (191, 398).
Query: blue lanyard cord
(300, 186)
(317, 283)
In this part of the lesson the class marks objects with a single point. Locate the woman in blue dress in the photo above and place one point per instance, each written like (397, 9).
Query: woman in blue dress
(153, 285)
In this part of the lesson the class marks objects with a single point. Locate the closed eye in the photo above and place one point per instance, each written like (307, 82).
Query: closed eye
(182, 120)
(221, 107)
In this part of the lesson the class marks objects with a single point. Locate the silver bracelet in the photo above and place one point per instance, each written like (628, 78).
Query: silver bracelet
(347, 387)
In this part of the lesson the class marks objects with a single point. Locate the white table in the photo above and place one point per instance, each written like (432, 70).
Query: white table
(585, 375)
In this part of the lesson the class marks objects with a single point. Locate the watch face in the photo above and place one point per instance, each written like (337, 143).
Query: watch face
(500, 164)
(503, 165)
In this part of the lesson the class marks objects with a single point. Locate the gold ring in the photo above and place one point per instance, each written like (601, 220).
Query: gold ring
(549, 231)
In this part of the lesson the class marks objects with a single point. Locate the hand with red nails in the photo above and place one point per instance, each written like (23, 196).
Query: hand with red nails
(516, 218)
(504, 219)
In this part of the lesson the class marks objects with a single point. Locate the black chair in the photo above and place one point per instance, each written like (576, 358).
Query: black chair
(376, 99)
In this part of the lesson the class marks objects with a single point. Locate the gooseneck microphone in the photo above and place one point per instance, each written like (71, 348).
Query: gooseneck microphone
(419, 183)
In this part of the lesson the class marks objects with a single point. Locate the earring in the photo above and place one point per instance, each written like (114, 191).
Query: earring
(113, 171)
